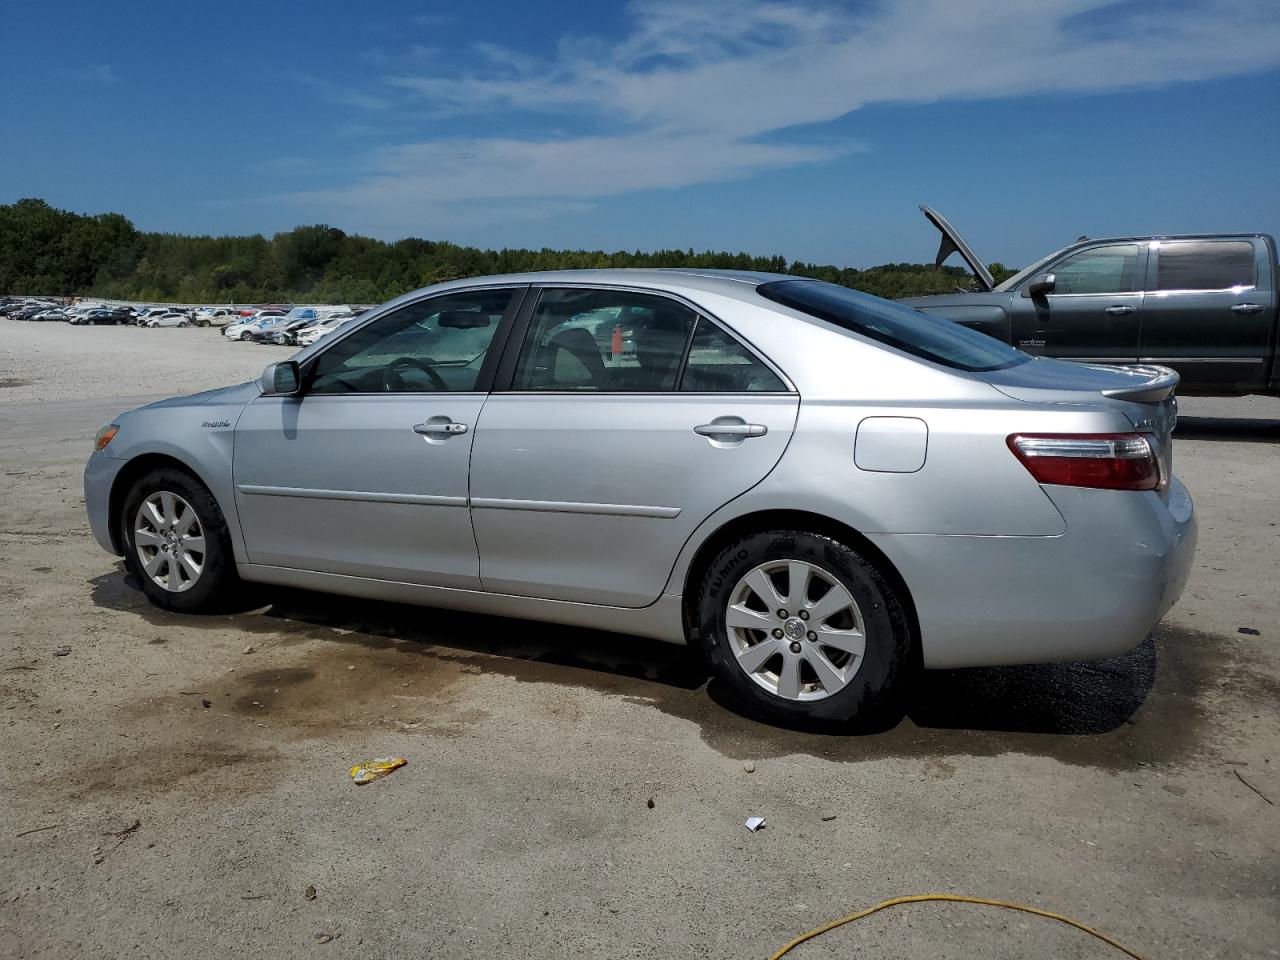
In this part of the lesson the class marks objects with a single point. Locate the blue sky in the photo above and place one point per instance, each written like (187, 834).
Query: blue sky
(810, 129)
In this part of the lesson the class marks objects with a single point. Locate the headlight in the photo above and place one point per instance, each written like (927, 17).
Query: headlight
(105, 436)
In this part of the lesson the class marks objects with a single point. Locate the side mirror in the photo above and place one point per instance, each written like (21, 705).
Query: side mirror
(282, 379)
(1041, 285)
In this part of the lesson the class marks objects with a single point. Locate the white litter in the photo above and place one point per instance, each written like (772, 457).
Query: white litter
(755, 823)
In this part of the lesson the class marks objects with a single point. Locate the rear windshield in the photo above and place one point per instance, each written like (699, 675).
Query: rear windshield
(932, 338)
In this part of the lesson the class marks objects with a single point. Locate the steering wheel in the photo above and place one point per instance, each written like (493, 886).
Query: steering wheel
(391, 379)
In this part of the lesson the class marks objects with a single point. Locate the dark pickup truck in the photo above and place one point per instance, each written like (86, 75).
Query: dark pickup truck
(1204, 305)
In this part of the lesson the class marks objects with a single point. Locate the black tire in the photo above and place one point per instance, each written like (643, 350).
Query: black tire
(218, 585)
(874, 693)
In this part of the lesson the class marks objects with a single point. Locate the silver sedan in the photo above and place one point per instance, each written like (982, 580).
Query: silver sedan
(820, 490)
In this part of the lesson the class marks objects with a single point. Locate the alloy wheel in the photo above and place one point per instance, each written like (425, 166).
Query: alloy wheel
(169, 541)
(795, 630)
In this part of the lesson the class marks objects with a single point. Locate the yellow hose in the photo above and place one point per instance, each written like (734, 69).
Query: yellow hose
(952, 898)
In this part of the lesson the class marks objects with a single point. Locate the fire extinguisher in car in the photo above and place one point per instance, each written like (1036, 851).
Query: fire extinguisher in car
(616, 346)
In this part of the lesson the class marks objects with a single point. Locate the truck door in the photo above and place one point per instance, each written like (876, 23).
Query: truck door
(1093, 312)
(1208, 312)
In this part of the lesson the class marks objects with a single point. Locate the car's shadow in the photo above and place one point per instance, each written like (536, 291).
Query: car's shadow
(1100, 713)
(1233, 429)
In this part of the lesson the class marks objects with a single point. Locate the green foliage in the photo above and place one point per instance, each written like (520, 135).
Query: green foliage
(48, 251)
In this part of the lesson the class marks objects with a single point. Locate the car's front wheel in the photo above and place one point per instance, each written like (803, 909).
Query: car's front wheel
(802, 627)
(177, 544)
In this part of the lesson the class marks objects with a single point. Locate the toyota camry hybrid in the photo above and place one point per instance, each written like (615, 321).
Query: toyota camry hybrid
(819, 489)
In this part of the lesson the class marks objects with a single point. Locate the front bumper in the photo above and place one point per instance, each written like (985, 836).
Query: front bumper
(99, 476)
(1095, 591)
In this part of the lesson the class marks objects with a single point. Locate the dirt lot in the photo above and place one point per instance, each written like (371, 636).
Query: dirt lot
(1127, 793)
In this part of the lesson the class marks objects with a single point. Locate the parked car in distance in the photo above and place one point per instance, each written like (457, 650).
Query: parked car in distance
(50, 313)
(321, 328)
(287, 335)
(259, 328)
(816, 488)
(147, 312)
(1204, 305)
(168, 318)
(114, 316)
(32, 309)
(215, 316)
(244, 329)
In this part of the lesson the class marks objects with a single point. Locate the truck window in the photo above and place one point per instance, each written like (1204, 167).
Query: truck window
(1204, 264)
(1108, 269)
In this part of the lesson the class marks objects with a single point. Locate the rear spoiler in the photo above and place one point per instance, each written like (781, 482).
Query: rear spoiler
(1161, 385)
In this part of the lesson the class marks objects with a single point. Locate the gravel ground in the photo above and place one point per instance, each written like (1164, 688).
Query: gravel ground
(1126, 793)
(40, 362)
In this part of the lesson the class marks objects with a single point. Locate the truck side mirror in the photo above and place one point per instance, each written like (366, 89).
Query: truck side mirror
(1041, 285)
(282, 379)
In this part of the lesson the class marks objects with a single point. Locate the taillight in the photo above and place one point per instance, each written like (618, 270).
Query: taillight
(1109, 461)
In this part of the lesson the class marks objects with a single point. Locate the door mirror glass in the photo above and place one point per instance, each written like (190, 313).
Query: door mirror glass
(1042, 285)
(281, 379)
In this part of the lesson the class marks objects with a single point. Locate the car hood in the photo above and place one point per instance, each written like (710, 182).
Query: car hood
(239, 393)
(951, 243)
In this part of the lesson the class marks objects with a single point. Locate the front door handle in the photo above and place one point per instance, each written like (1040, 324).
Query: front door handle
(1120, 309)
(439, 428)
(730, 429)
(1246, 308)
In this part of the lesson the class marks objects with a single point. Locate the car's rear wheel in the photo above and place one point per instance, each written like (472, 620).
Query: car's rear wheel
(802, 627)
(177, 544)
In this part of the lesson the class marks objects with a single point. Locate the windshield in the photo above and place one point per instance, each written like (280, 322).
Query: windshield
(911, 331)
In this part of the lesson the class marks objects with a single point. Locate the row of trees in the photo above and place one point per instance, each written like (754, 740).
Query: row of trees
(44, 250)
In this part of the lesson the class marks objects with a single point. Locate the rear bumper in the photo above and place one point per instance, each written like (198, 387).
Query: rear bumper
(1095, 591)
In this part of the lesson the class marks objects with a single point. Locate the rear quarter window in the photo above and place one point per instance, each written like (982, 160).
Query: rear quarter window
(930, 338)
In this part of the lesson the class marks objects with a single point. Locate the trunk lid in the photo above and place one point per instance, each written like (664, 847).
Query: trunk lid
(951, 243)
(1144, 394)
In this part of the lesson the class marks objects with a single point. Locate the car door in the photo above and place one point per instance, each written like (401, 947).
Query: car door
(624, 419)
(365, 472)
(1094, 311)
(1207, 313)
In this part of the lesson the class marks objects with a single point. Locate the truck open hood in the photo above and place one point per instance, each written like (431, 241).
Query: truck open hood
(951, 243)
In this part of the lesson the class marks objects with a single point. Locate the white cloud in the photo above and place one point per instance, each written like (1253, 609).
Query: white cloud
(708, 90)
(101, 75)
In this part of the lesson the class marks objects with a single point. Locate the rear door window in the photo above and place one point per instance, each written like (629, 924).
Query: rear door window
(608, 341)
(720, 364)
(1204, 264)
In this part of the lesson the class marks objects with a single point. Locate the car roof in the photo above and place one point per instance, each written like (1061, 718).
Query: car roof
(739, 284)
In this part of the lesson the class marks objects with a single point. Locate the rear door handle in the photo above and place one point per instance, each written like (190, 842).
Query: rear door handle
(1120, 309)
(1246, 308)
(730, 429)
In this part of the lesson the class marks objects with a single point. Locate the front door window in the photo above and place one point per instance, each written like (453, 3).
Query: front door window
(432, 346)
